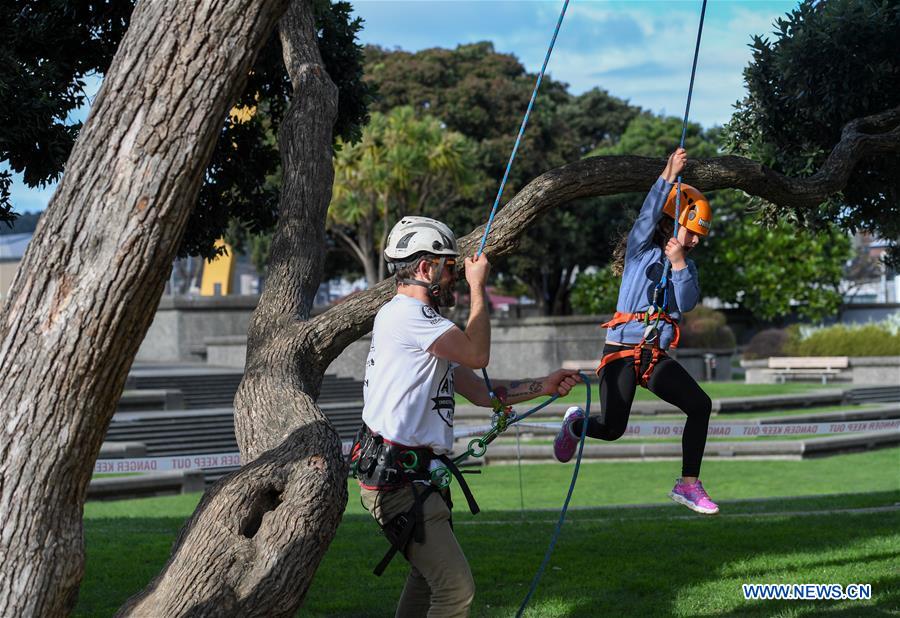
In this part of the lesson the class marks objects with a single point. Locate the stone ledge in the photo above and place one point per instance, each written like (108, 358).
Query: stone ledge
(179, 482)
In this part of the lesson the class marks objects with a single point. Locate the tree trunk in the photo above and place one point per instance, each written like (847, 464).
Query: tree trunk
(359, 251)
(256, 540)
(88, 286)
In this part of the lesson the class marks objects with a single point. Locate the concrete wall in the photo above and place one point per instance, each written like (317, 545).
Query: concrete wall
(8, 270)
(864, 370)
(227, 351)
(694, 361)
(183, 323)
(521, 348)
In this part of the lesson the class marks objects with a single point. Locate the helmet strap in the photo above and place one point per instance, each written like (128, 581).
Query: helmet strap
(434, 288)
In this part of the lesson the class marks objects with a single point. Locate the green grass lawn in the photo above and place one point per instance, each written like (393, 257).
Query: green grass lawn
(657, 561)
(715, 390)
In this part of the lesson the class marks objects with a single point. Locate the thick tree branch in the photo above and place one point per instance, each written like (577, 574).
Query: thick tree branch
(332, 331)
(352, 246)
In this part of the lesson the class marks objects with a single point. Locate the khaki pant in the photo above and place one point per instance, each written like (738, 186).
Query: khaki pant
(440, 582)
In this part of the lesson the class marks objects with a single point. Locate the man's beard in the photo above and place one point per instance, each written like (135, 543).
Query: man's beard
(447, 296)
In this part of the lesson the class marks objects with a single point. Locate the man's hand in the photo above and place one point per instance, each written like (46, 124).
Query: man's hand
(477, 270)
(560, 382)
(675, 253)
(675, 165)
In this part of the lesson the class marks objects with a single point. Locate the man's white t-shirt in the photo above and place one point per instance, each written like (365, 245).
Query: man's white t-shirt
(408, 392)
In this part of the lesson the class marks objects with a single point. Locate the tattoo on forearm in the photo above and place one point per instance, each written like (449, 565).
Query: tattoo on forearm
(521, 388)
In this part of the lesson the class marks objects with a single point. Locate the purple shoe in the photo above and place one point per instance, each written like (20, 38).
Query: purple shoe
(694, 497)
(566, 441)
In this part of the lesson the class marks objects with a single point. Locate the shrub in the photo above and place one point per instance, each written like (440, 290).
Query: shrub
(766, 343)
(705, 328)
(596, 292)
(872, 339)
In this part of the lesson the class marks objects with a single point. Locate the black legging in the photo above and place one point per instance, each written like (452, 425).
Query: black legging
(670, 382)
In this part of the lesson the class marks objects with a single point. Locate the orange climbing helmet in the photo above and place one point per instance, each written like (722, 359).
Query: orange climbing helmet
(695, 211)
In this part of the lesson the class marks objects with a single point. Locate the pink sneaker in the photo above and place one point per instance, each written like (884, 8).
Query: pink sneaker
(694, 497)
(566, 441)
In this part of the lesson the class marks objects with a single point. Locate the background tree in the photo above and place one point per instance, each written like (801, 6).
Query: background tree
(827, 64)
(482, 94)
(596, 292)
(48, 49)
(403, 165)
(769, 270)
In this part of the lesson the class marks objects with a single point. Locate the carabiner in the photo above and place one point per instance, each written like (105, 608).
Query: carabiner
(415, 460)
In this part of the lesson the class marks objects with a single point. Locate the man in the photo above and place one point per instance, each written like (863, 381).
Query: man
(417, 361)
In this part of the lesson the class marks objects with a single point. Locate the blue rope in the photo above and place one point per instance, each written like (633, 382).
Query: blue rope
(684, 125)
(512, 156)
(565, 508)
(525, 415)
(515, 149)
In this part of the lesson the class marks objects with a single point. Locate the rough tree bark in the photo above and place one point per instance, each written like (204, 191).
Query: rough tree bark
(88, 286)
(255, 541)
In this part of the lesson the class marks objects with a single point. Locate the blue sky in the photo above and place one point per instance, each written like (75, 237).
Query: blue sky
(640, 50)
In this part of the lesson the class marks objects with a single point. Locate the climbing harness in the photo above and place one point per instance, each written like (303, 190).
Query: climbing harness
(378, 463)
(647, 354)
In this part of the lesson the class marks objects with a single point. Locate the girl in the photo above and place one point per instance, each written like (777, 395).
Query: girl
(636, 344)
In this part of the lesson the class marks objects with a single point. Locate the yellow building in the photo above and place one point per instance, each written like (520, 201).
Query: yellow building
(218, 274)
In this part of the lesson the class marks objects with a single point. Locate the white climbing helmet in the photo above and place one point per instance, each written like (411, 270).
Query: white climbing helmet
(412, 235)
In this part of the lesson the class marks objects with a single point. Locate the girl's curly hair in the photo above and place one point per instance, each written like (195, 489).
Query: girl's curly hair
(661, 236)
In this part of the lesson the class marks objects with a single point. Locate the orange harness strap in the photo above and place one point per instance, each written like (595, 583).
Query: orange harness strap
(635, 354)
(623, 318)
(636, 351)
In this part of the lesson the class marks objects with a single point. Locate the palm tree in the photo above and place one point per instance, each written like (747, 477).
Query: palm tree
(403, 165)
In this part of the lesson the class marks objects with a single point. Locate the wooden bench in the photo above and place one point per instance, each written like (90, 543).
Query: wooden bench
(784, 367)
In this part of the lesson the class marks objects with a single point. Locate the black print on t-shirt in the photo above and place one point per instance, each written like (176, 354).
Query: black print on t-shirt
(431, 315)
(444, 404)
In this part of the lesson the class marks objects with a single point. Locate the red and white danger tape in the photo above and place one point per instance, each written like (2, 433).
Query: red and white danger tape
(646, 429)
(640, 429)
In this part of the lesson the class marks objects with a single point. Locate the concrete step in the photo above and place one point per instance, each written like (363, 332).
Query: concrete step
(141, 485)
(874, 394)
(202, 386)
(785, 449)
(150, 399)
(816, 398)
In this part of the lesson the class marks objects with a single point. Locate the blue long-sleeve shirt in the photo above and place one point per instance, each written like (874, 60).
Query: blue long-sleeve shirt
(644, 264)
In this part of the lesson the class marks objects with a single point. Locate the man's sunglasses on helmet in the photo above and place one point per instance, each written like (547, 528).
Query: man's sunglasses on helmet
(450, 262)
